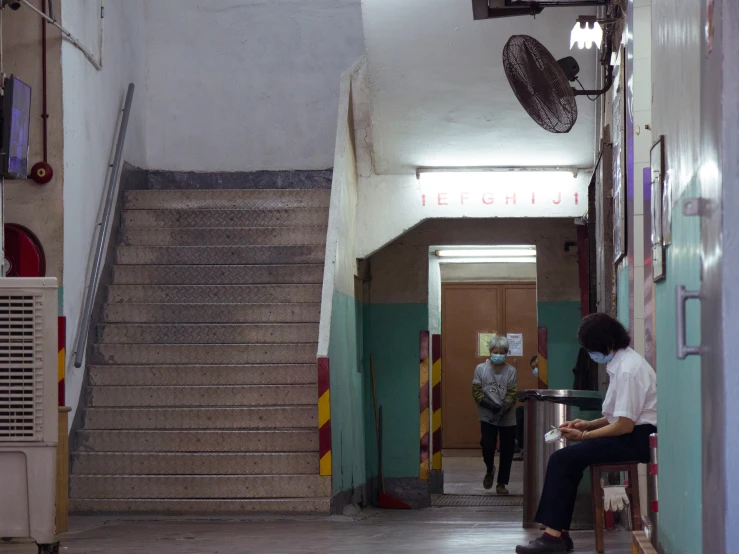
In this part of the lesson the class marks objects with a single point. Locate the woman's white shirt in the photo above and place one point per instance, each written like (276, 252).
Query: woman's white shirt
(632, 391)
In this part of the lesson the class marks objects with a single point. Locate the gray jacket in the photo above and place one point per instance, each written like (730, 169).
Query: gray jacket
(495, 394)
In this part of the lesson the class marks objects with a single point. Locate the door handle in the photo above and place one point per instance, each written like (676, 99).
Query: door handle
(683, 350)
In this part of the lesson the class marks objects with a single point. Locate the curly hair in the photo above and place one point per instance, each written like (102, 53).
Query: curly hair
(602, 333)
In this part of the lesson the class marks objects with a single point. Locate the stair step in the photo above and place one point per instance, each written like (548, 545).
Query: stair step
(215, 440)
(262, 236)
(308, 312)
(173, 375)
(198, 486)
(215, 294)
(282, 417)
(220, 255)
(239, 463)
(206, 333)
(216, 507)
(220, 274)
(229, 354)
(211, 396)
(307, 217)
(226, 199)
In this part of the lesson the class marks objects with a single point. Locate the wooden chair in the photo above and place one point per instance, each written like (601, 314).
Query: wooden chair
(632, 491)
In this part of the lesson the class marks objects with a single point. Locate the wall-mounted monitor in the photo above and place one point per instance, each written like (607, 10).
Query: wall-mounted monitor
(15, 124)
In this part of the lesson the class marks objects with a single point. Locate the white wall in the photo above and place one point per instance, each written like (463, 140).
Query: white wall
(390, 205)
(92, 101)
(341, 262)
(248, 85)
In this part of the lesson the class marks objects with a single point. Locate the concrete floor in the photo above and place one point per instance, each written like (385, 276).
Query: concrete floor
(431, 531)
(464, 474)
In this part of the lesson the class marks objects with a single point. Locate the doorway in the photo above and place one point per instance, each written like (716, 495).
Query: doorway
(471, 312)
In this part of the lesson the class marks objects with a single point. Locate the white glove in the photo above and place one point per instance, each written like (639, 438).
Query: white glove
(615, 498)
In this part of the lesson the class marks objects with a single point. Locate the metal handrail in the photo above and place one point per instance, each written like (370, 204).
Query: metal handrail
(108, 210)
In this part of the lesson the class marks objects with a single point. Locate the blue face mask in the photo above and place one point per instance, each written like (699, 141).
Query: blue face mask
(536, 372)
(497, 359)
(599, 358)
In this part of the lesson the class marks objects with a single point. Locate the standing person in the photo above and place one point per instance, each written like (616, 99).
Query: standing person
(621, 435)
(494, 390)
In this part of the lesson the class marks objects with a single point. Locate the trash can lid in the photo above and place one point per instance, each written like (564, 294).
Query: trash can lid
(583, 399)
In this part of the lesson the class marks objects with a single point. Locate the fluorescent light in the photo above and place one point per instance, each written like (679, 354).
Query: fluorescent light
(501, 252)
(499, 181)
(585, 34)
(526, 260)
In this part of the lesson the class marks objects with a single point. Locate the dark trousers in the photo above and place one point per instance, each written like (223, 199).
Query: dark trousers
(519, 426)
(566, 466)
(507, 442)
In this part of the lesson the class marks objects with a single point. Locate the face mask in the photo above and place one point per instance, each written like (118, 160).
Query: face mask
(536, 372)
(599, 358)
(497, 359)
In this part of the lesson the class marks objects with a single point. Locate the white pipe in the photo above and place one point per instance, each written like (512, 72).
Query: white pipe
(97, 64)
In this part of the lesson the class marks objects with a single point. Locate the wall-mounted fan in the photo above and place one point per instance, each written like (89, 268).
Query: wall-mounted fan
(542, 84)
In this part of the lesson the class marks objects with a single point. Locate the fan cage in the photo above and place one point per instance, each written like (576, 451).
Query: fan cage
(540, 84)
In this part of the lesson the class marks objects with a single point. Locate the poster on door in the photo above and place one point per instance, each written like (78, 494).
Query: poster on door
(483, 340)
(515, 344)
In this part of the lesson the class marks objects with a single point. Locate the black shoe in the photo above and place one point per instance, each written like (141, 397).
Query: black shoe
(569, 545)
(488, 481)
(543, 545)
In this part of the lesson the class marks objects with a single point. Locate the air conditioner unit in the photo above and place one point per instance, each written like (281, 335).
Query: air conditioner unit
(28, 409)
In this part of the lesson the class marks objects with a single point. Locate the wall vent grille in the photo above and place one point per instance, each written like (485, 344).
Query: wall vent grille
(21, 366)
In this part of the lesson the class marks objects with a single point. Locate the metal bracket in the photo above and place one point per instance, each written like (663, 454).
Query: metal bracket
(694, 207)
(683, 295)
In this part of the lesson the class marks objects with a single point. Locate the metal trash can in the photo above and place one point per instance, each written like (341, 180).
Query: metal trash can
(546, 409)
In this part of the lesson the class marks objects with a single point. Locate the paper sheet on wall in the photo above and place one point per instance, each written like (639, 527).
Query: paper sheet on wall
(515, 344)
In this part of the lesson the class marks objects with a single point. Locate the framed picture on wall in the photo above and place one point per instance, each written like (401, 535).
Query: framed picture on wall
(657, 166)
(619, 166)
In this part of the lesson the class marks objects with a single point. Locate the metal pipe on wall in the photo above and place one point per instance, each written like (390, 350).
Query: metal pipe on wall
(98, 64)
(44, 111)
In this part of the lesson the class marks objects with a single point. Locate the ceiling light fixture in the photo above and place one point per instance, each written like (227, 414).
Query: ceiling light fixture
(527, 260)
(502, 178)
(497, 252)
(586, 33)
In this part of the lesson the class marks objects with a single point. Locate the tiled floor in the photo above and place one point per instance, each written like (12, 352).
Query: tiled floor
(464, 474)
(431, 531)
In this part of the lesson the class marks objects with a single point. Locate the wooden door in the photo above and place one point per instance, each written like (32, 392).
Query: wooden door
(520, 317)
(467, 310)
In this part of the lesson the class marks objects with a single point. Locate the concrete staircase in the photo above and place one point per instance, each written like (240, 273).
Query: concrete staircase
(203, 394)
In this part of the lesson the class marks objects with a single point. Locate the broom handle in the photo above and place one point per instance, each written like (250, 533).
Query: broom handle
(374, 397)
(379, 451)
(378, 424)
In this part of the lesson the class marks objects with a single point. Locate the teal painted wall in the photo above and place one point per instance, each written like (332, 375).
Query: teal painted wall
(347, 394)
(561, 320)
(679, 386)
(622, 294)
(391, 336)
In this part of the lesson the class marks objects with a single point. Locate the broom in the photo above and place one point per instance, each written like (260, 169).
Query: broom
(384, 500)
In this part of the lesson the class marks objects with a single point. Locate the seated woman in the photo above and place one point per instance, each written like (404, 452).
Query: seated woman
(621, 435)
(494, 390)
